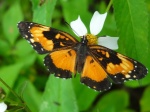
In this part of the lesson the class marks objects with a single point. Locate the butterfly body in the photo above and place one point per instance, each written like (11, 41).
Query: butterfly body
(82, 52)
(66, 56)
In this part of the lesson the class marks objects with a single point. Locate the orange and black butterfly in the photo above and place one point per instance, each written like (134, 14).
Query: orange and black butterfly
(66, 56)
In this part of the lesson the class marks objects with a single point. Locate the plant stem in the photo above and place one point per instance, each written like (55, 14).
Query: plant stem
(10, 89)
(109, 5)
(15, 94)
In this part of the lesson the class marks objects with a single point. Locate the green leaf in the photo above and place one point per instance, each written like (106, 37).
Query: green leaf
(27, 61)
(86, 93)
(9, 74)
(144, 102)
(70, 15)
(23, 48)
(115, 101)
(135, 83)
(132, 23)
(4, 47)
(32, 97)
(10, 20)
(133, 31)
(82, 97)
(109, 27)
(58, 96)
(43, 13)
(128, 110)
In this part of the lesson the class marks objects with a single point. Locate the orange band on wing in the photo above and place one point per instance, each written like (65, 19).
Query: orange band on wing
(124, 67)
(64, 59)
(93, 70)
(38, 36)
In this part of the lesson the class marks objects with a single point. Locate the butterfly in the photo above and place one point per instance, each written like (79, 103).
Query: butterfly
(66, 56)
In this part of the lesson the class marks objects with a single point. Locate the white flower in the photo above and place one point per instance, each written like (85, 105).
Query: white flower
(96, 25)
(3, 107)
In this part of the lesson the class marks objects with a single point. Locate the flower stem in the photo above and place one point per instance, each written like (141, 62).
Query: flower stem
(109, 5)
(1, 80)
(15, 94)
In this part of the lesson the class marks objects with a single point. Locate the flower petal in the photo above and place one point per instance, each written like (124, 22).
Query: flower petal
(78, 27)
(3, 107)
(97, 22)
(109, 42)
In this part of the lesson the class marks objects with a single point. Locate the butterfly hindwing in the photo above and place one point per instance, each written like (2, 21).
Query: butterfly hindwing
(61, 63)
(43, 38)
(94, 76)
(118, 67)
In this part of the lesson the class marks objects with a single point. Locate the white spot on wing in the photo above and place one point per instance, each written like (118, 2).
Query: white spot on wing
(134, 76)
(42, 49)
(31, 40)
(127, 76)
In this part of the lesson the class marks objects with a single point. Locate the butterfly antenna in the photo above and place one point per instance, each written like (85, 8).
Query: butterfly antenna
(71, 28)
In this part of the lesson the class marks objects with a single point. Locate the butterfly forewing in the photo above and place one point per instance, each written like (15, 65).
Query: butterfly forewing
(118, 67)
(45, 39)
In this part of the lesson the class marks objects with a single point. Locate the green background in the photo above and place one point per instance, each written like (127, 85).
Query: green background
(22, 68)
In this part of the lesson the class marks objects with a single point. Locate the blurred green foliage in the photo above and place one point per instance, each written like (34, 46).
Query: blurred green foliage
(22, 68)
